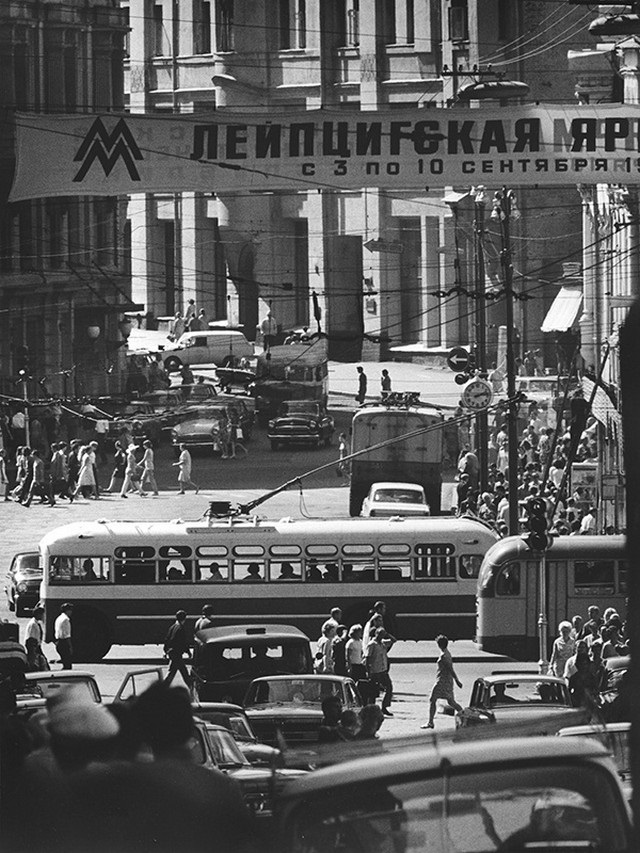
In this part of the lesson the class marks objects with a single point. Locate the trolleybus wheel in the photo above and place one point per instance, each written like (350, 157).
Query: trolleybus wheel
(90, 635)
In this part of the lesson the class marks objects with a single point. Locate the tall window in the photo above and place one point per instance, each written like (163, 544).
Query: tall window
(389, 21)
(21, 70)
(57, 224)
(348, 23)
(458, 21)
(105, 231)
(224, 25)
(293, 24)
(202, 27)
(158, 31)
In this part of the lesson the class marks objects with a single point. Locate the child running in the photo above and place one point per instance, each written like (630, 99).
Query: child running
(443, 687)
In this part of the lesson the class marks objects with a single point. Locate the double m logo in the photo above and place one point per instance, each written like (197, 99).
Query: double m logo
(107, 148)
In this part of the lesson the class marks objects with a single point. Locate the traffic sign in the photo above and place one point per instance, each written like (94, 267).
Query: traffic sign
(458, 359)
(379, 245)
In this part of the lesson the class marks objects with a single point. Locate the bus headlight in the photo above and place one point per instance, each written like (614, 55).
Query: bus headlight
(22, 587)
(272, 424)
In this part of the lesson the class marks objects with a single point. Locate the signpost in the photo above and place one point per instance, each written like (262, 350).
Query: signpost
(458, 359)
(379, 245)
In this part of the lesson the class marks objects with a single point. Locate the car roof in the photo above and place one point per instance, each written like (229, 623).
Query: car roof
(594, 729)
(342, 679)
(217, 706)
(621, 662)
(391, 484)
(499, 677)
(60, 675)
(251, 633)
(430, 758)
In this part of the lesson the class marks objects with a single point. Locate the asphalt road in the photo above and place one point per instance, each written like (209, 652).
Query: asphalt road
(321, 494)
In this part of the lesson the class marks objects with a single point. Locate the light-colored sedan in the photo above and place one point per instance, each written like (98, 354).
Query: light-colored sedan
(389, 499)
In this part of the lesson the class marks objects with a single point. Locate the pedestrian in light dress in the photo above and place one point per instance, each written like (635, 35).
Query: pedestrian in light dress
(443, 687)
(184, 470)
(564, 647)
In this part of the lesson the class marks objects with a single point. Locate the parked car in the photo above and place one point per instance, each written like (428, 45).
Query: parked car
(200, 428)
(259, 785)
(230, 716)
(22, 582)
(615, 700)
(301, 422)
(227, 659)
(207, 347)
(165, 404)
(501, 795)
(291, 706)
(615, 737)
(137, 417)
(389, 499)
(44, 685)
(539, 704)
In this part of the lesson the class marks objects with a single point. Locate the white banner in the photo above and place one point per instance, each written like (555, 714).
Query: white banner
(113, 154)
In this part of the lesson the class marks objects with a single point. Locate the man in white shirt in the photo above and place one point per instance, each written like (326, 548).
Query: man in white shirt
(33, 639)
(62, 635)
(588, 523)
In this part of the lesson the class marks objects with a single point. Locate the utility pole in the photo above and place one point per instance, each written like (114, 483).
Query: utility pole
(503, 208)
(482, 428)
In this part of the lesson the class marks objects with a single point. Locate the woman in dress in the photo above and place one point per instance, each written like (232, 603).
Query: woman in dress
(86, 484)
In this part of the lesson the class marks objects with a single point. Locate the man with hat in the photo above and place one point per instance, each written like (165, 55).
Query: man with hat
(62, 635)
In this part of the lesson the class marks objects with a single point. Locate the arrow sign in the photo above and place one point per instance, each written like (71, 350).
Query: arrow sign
(384, 246)
(458, 359)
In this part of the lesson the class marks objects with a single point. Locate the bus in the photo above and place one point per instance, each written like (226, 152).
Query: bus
(127, 579)
(416, 459)
(298, 371)
(579, 571)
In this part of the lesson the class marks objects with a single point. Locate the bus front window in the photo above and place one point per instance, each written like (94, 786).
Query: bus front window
(508, 580)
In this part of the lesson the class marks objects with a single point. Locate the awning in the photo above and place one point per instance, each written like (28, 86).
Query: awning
(564, 310)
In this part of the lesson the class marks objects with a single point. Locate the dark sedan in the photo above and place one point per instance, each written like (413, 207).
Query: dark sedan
(22, 582)
(301, 422)
(291, 705)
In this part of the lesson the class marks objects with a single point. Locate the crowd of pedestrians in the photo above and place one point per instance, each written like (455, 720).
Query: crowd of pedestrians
(360, 652)
(546, 450)
(580, 649)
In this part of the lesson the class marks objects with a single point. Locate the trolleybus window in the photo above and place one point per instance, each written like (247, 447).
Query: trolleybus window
(594, 576)
(358, 572)
(435, 562)
(208, 570)
(287, 570)
(175, 564)
(470, 565)
(508, 580)
(394, 570)
(135, 564)
(322, 550)
(79, 570)
(252, 571)
(285, 550)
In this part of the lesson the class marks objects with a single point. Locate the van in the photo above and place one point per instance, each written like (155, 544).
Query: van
(227, 659)
(213, 347)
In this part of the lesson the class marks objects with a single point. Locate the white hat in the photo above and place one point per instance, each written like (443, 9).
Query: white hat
(72, 714)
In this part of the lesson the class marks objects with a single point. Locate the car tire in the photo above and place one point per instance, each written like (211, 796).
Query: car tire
(19, 607)
(172, 363)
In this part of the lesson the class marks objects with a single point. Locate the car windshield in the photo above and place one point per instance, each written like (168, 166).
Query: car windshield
(299, 407)
(527, 693)
(48, 687)
(413, 496)
(499, 810)
(27, 563)
(295, 691)
(235, 723)
(225, 750)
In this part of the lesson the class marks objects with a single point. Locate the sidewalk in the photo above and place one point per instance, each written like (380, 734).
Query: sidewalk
(435, 385)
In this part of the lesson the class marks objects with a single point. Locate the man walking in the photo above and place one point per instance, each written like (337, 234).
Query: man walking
(62, 636)
(378, 666)
(362, 386)
(33, 639)
(176, 644)
(38, 481)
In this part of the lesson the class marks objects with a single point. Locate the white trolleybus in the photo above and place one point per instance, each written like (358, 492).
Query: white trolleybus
(126, 579)
(579, 571)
